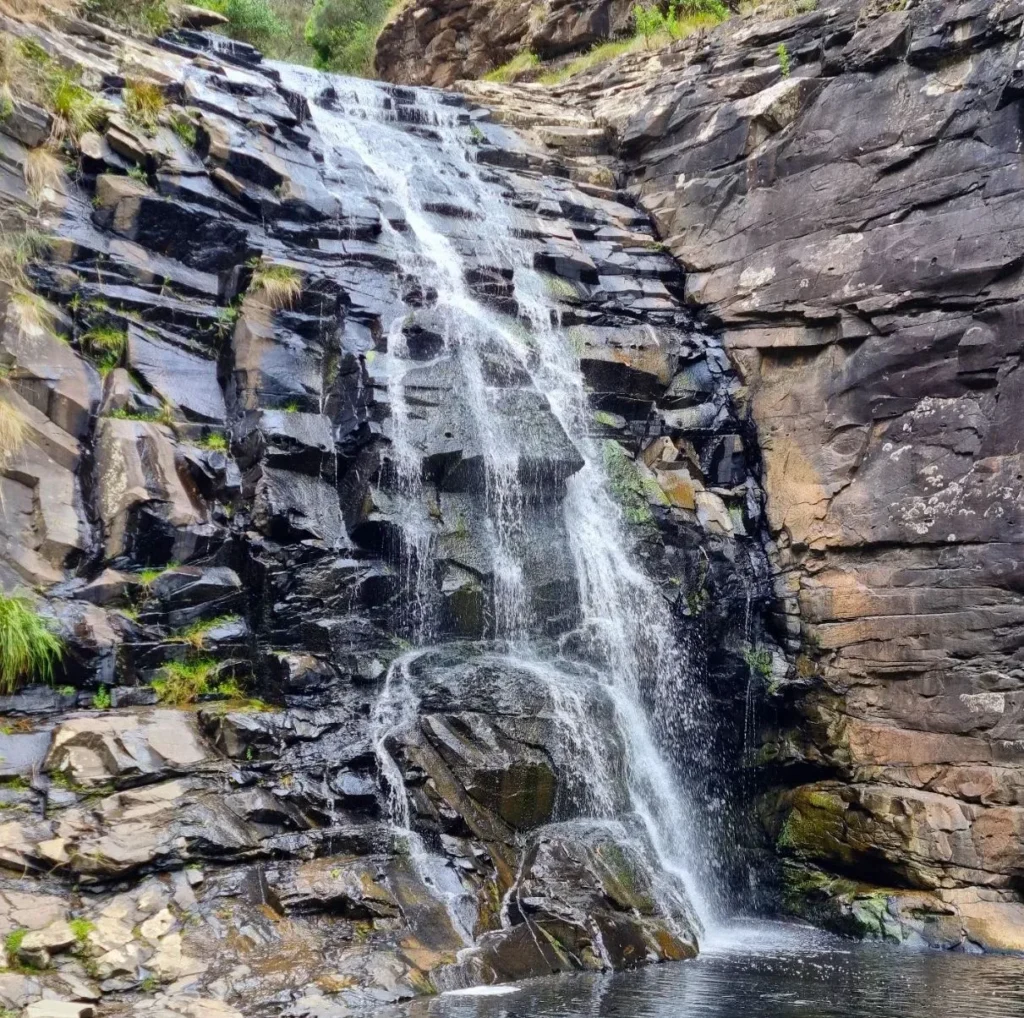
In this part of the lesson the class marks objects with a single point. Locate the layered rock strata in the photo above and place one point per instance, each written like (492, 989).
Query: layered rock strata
(210, 499)
(843, 189)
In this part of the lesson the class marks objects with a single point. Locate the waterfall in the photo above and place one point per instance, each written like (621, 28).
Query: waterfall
(617, 645)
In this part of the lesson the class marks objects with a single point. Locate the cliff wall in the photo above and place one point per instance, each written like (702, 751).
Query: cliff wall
(843, 188)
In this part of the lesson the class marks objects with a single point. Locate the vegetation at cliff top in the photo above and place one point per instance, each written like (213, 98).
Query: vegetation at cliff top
(335, 35)
(29, 648)
(343, 33)
(654, 25)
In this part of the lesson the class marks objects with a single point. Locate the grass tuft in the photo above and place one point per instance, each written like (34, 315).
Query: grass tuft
(183, 682)
(214, 442)
(278, 286)
(43, 169)
(184, 129)
(511, 70)
(75, 109)
(196, 634)
(598, 55)
(29, 649)
(13, 431)
(143, 104)
(106, 346)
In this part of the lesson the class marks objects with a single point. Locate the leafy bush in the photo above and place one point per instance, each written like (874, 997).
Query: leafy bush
(252, 21)
(343, 33)
(29, 649)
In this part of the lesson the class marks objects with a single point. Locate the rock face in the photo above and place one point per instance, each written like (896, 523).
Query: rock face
(850, 223)
(300, 470)
(438, 44)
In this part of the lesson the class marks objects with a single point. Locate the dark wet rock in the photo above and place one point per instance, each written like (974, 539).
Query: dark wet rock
(177, 376)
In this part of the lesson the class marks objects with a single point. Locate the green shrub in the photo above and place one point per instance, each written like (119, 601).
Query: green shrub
(29, 648)
(342, 33)
(648, 21)
(784, 61)
(251, 21)
(183, 682)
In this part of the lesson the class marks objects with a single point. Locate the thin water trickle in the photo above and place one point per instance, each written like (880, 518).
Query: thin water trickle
(621, 650)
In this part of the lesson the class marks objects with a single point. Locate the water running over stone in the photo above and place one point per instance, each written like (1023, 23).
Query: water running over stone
(576, 634)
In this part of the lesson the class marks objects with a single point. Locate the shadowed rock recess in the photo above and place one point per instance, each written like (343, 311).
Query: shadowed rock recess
(403, 531)
(849, 214)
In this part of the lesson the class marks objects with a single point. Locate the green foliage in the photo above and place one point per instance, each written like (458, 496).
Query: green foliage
(343, 33)
(138, 173)
(183, 682)
(291, 407)
(101, 701)
(136, 17)
(560, 288)
(162, 416)
(759, 661)
(648, 21)
(214, 442)
(143, 104)
(184, 129)
(598, 55)
(13, 941)
(252, 21)
(75, 109)
(511, 70)
(785, 65)
(680, 19)
(147, 576)
(106, 346)
(29, 649)
(81, 928)
(195, 635)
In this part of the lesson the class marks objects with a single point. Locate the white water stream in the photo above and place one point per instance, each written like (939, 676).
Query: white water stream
(623, 647)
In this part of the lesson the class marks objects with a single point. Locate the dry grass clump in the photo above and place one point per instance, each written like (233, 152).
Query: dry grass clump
(143, 104)
(43, 169)
(13, 429)
(277, 286)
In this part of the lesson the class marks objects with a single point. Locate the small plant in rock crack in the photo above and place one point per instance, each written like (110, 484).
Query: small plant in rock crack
(785, 64)
(184, 129)
(106, 346)
(101, 700)
(278, 286)
(759, 661)
(143, 104)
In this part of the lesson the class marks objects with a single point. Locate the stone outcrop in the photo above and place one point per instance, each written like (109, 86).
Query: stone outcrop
(212, 509)
(439, 44)
(850, 223)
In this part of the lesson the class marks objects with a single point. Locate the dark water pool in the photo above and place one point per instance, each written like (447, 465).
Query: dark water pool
(769, 970)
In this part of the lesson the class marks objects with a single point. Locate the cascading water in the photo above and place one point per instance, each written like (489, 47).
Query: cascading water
(616, 648)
